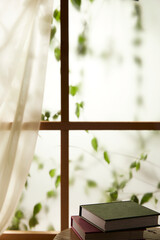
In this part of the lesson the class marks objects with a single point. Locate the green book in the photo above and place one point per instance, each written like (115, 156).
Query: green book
(119, 215)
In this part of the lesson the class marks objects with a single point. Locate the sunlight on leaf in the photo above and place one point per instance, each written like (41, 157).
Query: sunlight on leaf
(94, 143)
(58, 180)
(57, 15)
(106, 157)
(57, 53)
(52, 172)
(73, 89)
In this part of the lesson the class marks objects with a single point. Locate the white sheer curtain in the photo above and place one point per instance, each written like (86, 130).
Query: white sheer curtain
(24, 41)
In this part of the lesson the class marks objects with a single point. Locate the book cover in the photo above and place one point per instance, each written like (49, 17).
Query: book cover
(119, 215)
(86, 231)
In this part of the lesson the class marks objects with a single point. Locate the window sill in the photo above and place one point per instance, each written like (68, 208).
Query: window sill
(28, 235)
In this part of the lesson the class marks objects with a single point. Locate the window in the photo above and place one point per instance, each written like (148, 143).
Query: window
(68, 129)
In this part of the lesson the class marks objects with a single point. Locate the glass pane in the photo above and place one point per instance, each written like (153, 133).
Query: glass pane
(51, 101)
(39, 207)
(114, 61)
(114, 165)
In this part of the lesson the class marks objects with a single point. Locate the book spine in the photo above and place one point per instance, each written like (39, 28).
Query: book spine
(77, 234)
(80, 210)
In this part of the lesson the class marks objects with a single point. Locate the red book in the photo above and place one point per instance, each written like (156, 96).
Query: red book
(86, 231)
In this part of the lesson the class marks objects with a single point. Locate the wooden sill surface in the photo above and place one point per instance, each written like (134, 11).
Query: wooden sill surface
(28, 235)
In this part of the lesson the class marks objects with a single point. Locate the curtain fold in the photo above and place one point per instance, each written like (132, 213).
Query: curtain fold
(24, 41)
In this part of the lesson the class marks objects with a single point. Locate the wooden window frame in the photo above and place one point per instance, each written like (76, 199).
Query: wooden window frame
(64, 126)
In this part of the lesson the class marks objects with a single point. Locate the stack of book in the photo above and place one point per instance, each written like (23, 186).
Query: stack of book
(115, 220)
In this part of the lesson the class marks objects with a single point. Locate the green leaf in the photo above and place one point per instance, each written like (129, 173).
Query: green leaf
(52, 172)
(91, 183)
(94, 143)
(138, 166)
(53, 32)
(133, 165)
(146, 197)
(137, 42)
(106, 157)
(42, 117)
(81, 104)
(138, 61)
(37, 208)
(143, 156)
(76, 4)
(19, 214)
(26, 184)
(81, 38)
(47, 114)
(122, 184)
(58, 180)
(57, 15)
(155, 200)
(51, 194)
(50, 228)
(134, 198)
(73, 90)
(114, 195)
(77, 112)
(33, 221)
(91, 1)
(57, 53)
(40, 166)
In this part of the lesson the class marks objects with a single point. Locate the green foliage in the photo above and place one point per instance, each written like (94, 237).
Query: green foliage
(94, 143)
(76, 4)
(114, 195)
(50, 228)
(146, 197)
(51, 194)
(136, 165)
(133, 164)
(158, 185)
(82, 44)
(52, 172)
(57, 15)
(46, 116)
(37, 208)
(53, 32)
(143, 156)
(91, 184)
(134, 198)
(19, 214)
(79, 106)
(73, 90)
(137, 42)
(56, 115)
(58, 180)
(57, 53)
(106, 157)
(138, 61)
(137, 13)
(33, 221)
